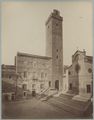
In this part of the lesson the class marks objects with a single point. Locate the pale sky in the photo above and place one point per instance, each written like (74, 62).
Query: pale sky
(23, 28)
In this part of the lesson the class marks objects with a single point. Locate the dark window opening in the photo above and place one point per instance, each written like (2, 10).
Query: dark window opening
(33, 93)
(90, 70)
(49, 83)
(13, 96)
(24, 93)
(24, 87)
(88, 88)
(9, 77)
(56, 24)
(69, 73)
(70, 86)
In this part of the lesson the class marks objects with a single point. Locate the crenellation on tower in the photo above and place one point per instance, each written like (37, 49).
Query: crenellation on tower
(55, 14)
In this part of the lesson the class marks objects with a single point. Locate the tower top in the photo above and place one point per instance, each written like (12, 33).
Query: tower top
(56, 15)
(56, 12)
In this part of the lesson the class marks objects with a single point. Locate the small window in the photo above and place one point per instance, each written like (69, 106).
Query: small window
(24, 93)
(24, 87)
(88, 88)
(57, 56)
(9, 76)
(56, 24)
(49, 83)
(70, 86)
(69, 73)
(90, 70)
(57, 50)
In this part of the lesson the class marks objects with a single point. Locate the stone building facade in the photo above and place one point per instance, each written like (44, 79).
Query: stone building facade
(9, 78)
(34, 71)
(9, 73)
(65, 79)
(54, 47)
(37, 73)
(80, 74)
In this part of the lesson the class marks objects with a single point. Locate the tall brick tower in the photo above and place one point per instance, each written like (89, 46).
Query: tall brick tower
(54, 47)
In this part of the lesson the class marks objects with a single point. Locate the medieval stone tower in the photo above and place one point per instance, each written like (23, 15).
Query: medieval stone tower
(54, 47)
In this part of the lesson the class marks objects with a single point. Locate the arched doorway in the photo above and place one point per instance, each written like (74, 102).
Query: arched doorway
(57, 84)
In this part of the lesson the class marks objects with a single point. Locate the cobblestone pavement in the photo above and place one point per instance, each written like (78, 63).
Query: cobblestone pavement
(33, 108)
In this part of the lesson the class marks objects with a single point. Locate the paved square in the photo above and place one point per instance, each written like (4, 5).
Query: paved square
(33, 108)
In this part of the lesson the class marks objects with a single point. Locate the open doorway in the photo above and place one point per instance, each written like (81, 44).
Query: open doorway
(57, 84)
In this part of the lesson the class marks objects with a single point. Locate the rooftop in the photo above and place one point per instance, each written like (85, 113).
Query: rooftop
(9, 66)
(31, 55)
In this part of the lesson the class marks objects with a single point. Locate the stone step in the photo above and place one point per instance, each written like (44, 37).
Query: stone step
(65, 107)
(71, 102)
(81, 98)
(68, 97)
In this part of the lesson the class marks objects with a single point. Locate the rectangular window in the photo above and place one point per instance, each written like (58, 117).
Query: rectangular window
(24, 87)
(9, 76)
(49, 83)
(24, 93)
(70, 86)
(88, 88)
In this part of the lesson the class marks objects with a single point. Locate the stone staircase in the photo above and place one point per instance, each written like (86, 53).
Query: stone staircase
(65, 102)
(48, 93)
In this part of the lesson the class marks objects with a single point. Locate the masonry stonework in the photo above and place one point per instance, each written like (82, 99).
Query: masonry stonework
(54, 47)
(35, 71)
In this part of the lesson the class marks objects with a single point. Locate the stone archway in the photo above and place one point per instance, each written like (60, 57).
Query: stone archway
(57, 84)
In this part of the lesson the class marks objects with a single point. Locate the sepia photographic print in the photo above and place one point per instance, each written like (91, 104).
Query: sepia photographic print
(47, 59)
